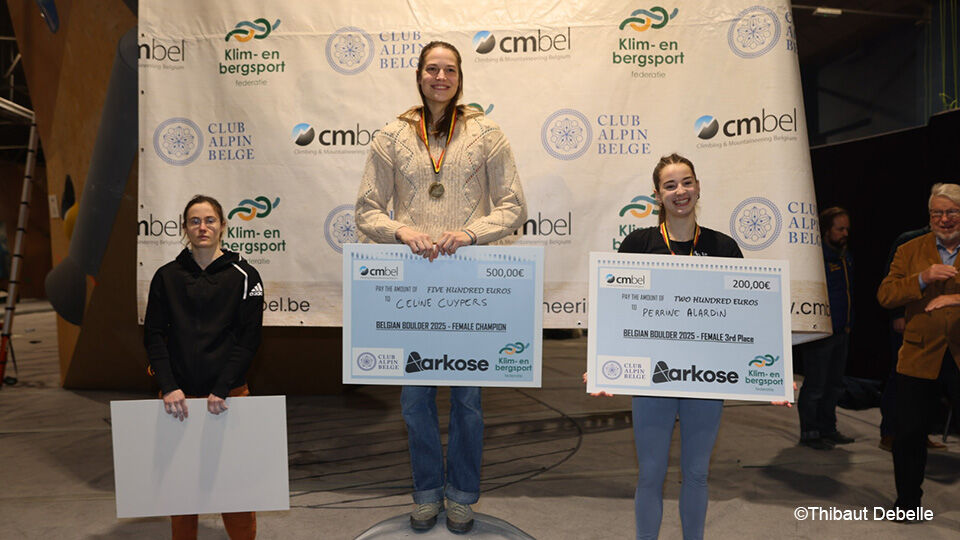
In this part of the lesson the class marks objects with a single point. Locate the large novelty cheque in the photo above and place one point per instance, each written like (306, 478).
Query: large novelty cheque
(469, 319)
(703, 327)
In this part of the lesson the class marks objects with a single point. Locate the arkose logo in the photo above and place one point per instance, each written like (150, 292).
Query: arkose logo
(484, 42)
(663, 373)
(416, 364)
(707, 126)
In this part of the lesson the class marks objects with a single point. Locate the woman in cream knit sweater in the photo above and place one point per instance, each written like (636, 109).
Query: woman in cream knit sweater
(452, 180)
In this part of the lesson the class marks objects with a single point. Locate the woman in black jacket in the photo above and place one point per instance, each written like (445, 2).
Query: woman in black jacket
(201, 330)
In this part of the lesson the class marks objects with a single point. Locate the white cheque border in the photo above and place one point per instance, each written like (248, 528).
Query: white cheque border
(530, 254)
(743, 266)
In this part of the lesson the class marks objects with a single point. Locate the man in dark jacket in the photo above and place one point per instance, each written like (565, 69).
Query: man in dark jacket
(825, 360)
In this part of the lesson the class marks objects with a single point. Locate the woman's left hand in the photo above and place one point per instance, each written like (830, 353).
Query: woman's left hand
(451, 240)
(215, 404)
(596, 394)
(786, 404)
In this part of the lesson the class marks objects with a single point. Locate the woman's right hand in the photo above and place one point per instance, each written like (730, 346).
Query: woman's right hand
(420, 243)
(175, 403)
(596, 394)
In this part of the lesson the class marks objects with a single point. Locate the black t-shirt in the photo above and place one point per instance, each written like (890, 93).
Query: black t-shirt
(711, 243)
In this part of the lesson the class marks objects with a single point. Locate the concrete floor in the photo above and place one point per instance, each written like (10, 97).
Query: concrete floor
(558, 464)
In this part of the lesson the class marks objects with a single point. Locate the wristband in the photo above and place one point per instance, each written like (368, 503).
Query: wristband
(473, 237)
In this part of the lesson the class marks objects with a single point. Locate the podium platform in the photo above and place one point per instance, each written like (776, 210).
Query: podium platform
(484, 527)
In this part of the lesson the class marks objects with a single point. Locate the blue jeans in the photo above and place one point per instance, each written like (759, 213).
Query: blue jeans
(653, 421)
(824, 363)
(464, 444)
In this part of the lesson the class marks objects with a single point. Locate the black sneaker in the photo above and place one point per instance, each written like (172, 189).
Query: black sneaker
(837, 438)
(817, 443)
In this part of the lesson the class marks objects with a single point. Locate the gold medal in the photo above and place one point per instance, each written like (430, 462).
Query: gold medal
(436, 190)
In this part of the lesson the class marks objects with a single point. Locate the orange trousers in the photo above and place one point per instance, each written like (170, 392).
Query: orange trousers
(239, 525)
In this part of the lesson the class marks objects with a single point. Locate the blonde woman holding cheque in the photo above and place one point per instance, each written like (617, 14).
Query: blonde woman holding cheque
(450, 174)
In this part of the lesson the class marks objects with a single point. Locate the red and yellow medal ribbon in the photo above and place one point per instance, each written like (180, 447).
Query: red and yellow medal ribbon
(666, 238)
(437, 163)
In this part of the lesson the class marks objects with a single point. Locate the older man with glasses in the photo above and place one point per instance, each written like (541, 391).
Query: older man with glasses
(923, 280)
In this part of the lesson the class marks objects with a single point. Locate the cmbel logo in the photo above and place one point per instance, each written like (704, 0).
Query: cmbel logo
(547, 226)
(484, 42)
(160, 50)
(644, 19)
(303, 134)
(248, 209)
(346, 137)
(378, 272)
(416, 364)
(632, 279)
(385, 271)
(707, 127)
(246, 30)
(765, 360)
(663, 373)
(157, 226)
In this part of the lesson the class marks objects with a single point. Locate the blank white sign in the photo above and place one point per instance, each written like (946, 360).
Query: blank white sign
(232, 462)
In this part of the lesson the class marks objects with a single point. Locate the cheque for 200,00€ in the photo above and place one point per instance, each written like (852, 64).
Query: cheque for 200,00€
(706, 327)
(469, 319)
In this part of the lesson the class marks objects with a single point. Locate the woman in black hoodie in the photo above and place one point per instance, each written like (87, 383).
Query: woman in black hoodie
(201, 330)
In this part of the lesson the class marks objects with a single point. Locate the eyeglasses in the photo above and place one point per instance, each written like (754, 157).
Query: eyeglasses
(953, 213)
(209, 221)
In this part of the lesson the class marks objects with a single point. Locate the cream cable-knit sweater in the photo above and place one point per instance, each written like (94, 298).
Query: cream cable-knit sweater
(482, 190)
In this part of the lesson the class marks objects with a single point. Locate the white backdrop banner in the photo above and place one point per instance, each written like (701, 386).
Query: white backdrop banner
(270, 107)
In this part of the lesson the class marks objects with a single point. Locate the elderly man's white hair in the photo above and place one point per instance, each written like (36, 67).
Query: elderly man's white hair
(948, 191)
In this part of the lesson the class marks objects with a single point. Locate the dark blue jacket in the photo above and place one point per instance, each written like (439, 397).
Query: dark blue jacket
(838, 266)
